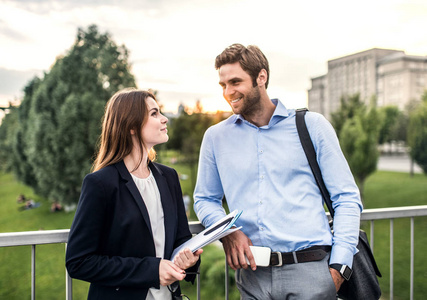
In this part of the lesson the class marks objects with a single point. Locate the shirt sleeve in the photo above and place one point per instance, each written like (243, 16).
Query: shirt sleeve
(209, 192)
(343, 190)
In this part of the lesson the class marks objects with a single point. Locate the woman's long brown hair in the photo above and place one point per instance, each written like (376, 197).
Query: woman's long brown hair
(125, 111)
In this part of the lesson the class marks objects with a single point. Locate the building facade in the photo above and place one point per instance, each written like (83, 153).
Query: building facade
(392, 76)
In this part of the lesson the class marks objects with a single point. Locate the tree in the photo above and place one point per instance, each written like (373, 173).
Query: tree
(417, 134)
(8, 130)
(400, 128)
(14, 156)
(186, 136)
(350, 107)
(63, 111)
(390, 116)
(393, 127)
(358, 136)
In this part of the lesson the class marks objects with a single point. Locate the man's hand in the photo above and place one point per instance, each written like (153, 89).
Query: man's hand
(236, 247)
(169, 272)
(337, 278)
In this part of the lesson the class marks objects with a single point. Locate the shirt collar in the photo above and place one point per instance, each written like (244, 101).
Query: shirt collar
(279, 113)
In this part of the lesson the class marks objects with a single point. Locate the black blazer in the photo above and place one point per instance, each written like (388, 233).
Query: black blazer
(110, 243)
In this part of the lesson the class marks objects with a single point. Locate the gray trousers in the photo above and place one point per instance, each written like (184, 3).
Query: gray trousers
(302, 281)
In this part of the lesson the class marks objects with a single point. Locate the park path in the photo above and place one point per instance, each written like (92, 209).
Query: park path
(397, 163)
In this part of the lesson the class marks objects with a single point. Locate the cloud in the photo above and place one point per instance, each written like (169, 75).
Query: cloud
(173, 43)
(15, 80)
(9, 33)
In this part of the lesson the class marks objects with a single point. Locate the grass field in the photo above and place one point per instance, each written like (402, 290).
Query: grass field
(383, 189)
(393, 189)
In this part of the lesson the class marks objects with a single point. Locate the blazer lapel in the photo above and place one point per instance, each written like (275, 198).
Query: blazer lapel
(130, 184)
(169, 209)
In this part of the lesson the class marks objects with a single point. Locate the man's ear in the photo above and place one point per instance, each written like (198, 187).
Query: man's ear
(262, 77)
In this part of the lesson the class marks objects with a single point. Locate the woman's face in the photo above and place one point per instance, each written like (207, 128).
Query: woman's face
(154, 131)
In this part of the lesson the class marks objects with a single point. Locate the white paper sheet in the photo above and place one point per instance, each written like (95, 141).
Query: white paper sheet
(211, 234)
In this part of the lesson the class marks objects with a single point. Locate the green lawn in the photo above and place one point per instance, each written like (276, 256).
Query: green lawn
(383, 189)
(393, 189)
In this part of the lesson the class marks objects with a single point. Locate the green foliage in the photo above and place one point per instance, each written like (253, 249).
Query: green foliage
(187, 134)
(417, 134)
(14, 140)
(8, 130)
(358, 129)
(350, 107)
(393, 127)
(359, 148)
(400, 129)
(212, 276)
(60, 116)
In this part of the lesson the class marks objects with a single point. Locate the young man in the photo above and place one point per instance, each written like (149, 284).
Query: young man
(255, 159)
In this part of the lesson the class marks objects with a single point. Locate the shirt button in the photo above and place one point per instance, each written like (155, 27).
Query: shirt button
(261, 151)
(261, 228)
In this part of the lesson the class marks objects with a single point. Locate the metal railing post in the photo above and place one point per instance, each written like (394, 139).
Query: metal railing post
(391, 257)
(226, 279)
(198, 286)
(68, 284)
(411, 285)
(33, 272)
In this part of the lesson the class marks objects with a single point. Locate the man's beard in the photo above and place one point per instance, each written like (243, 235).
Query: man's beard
(251, 104)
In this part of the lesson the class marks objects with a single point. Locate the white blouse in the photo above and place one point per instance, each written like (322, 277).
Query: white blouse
(150, 194)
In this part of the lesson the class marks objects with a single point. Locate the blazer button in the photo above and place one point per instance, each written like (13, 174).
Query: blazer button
(117, 289)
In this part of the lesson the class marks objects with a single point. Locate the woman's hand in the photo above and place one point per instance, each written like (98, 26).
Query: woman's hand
(186, 259)
(169, 272)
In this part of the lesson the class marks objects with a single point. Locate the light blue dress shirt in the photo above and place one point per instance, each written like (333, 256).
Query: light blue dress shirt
(264, 172)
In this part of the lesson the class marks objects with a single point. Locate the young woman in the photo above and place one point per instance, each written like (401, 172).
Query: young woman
(130, 215)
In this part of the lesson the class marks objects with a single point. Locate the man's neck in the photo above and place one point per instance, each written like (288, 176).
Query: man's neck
(263, 115)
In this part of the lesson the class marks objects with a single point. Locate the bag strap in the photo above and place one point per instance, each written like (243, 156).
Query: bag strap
(310, 153)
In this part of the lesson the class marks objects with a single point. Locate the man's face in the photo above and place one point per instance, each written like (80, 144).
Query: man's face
(238, 90)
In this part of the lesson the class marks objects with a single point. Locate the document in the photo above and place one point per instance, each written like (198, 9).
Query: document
(211, 234)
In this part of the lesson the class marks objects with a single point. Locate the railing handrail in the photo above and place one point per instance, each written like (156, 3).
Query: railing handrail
(39, 237)
(394, 212)
(24, 238)
(33, 238)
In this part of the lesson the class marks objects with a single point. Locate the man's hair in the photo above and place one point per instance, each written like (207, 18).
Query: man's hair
(250, 58)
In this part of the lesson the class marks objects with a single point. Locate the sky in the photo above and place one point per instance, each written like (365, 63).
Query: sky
(173, 44)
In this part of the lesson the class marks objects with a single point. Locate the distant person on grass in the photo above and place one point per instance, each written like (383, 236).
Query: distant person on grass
(56, 206)
(21, 198)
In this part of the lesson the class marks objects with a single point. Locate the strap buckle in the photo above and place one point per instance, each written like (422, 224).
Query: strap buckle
(279, 257)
